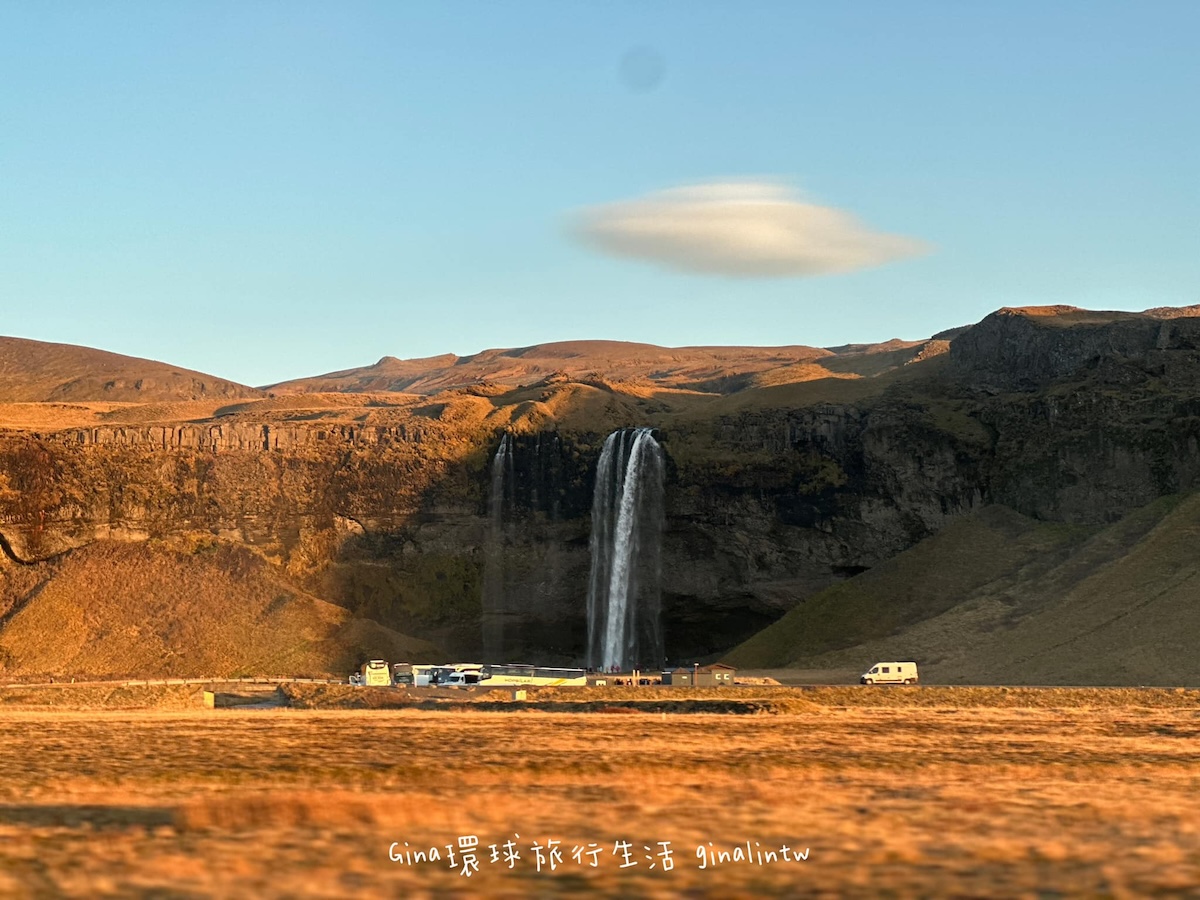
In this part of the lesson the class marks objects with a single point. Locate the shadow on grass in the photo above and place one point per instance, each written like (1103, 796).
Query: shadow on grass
(76, 815)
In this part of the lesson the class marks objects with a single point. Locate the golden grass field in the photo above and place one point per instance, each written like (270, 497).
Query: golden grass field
(902, 792)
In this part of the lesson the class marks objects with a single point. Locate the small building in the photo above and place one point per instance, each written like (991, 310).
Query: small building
(716, 675)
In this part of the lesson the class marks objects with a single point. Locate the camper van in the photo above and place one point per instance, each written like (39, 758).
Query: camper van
(891, 673)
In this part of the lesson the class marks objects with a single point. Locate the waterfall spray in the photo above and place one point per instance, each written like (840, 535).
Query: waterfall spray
(495, 609)
(623, 605)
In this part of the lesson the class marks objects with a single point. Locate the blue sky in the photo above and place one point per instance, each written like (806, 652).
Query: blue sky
(267, 190)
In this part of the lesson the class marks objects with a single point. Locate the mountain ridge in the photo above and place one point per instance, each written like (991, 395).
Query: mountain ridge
(34, 371)
(46, 372)
(710, 369)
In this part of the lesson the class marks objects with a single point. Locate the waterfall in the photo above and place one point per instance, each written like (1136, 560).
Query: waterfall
(495, 608)
(623, 606)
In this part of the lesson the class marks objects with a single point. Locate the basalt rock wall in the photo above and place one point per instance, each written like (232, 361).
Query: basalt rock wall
(764, 505)
(1014, 350)
(760, 512)
(220, 437)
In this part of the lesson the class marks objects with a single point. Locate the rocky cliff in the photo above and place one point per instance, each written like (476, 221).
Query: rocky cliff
(773, 492)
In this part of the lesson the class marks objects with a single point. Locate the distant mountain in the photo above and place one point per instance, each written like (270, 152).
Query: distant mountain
(36, 371)
(708, 369)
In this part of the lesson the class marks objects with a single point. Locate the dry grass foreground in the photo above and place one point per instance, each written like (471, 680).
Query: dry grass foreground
(890, 801)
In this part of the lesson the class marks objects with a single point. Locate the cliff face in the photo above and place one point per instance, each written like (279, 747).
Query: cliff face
(771, 494)
(382, 520)
(1089, 415)
(761, 510)
(1016, 349)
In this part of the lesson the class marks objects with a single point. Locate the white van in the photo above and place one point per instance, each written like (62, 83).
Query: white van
(462, 678)
(432, 676)
(891, 673)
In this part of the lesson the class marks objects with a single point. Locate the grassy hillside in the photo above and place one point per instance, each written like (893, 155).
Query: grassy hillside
(37, 371)
(994, 544)
(123, 609)
(999, 598)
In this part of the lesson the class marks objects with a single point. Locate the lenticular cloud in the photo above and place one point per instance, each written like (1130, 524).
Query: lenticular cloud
(739, 229)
